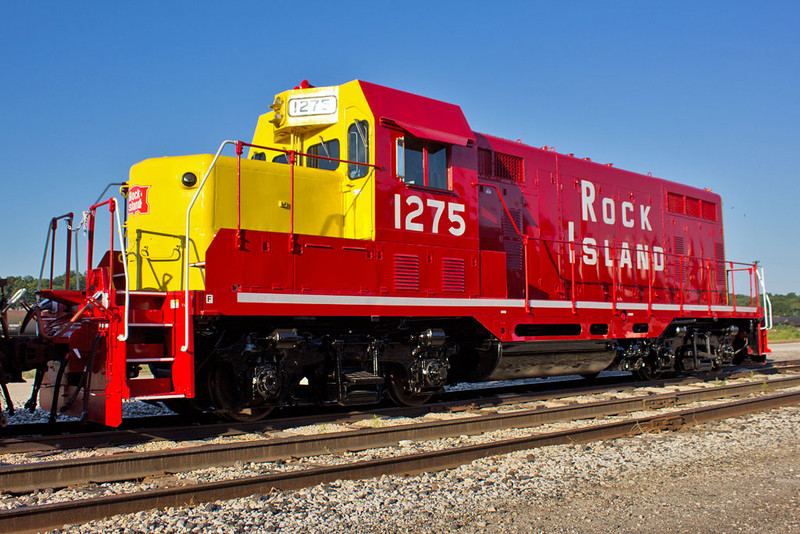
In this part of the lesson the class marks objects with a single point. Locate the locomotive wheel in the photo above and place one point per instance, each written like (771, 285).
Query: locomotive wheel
(225, 396)
(397, 387)
(648, 373)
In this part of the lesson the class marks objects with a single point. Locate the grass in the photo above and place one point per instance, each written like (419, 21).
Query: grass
(782, 333)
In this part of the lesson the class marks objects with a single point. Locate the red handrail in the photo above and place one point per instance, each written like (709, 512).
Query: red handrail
(291, 156)
(90, 232)
(705, 264)
(524, 244)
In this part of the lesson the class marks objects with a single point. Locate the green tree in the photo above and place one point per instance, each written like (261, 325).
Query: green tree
(30, 283)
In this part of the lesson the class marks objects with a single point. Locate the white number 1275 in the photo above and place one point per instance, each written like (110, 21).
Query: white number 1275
(417, 207)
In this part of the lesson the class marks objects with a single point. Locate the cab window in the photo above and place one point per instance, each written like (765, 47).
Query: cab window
(421, 162)
(328, 149)
(358, 149)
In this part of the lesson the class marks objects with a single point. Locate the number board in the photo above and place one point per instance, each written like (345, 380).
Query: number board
(319, 105)
(314, 105)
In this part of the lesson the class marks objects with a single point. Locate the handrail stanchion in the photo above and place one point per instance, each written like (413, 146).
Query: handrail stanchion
(292, 238)
(767, 301)
(614, 277)
(733, 288)
(708, 277)
(69, 252)
(650, 282)
(77, 263)
(90, 242)
(755, 285)
(527, 284)
(239, 236)
(111, 206)
(680, 276)
(54, 224)
(572, 275)
(124, 335)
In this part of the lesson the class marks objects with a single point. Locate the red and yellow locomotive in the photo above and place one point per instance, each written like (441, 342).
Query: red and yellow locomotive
(368, 242)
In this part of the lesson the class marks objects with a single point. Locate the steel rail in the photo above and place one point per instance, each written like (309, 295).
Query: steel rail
(34, 437)
(129, 466)
(40, 437)
(37, 518)
(74, 434)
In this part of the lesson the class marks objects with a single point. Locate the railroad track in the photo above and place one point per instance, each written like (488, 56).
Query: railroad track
(27, 477)
(42, 437)
(72, 434)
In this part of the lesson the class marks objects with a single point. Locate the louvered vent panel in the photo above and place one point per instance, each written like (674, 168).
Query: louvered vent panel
(675, 203)
(719, 265)
(508, 167)
(709, 211)
(693, 206)
(512, 242)
(484, 162)
(453, 275)
(406, 272)
(679, 245)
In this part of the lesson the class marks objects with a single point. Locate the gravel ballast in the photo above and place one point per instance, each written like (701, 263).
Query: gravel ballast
(738, 475)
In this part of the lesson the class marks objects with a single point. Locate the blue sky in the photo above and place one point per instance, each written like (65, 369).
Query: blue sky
(703, 93)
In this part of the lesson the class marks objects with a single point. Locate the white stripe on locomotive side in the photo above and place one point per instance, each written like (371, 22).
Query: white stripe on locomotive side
(355, 300)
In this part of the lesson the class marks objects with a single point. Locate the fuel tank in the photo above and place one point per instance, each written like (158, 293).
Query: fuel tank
(546, 358)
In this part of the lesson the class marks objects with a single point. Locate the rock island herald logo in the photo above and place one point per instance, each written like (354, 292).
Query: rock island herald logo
(137, 200)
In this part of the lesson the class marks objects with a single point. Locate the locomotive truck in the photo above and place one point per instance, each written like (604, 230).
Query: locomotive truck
(368, 243)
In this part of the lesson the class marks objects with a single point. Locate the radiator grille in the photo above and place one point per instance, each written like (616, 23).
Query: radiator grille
(693, 206)
(406, 272)
(709, 211)
(500, 166)
(675, 203)
(453, 275)
(508, 167)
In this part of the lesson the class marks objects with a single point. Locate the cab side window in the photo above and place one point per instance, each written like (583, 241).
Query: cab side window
(358, 149)
(328, 149)
(421, 162)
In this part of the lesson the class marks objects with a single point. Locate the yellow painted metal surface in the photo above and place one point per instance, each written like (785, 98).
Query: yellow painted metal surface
(326, 202)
